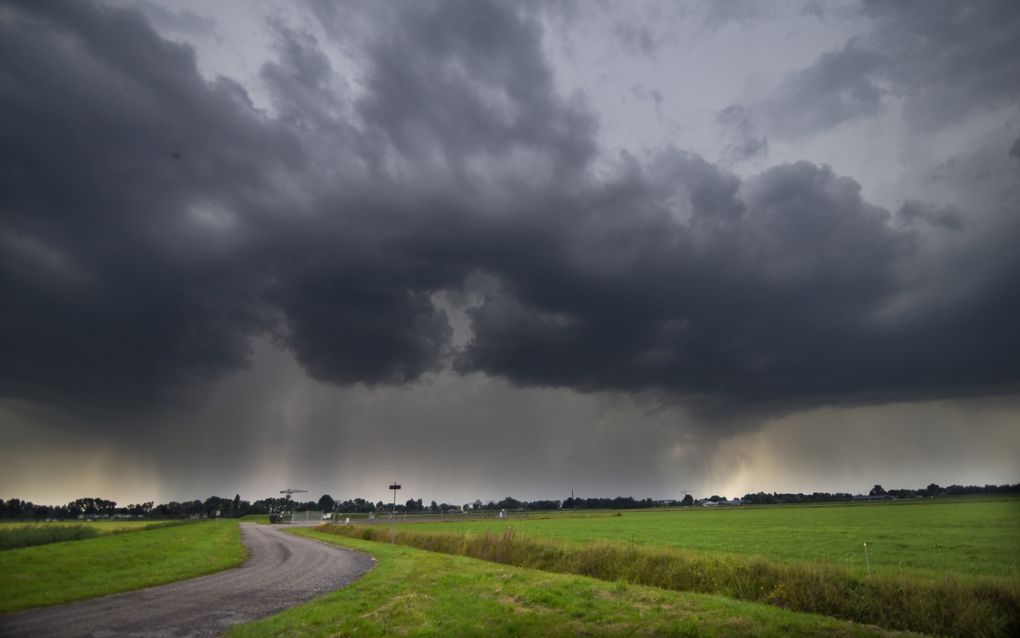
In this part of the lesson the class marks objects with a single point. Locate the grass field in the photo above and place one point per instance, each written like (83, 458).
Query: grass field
(16, 535)
(942, 567)
(417, 593)
(74, 570)
(964, 536)
(103, 527)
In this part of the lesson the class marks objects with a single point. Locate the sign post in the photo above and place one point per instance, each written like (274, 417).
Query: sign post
(393, 511)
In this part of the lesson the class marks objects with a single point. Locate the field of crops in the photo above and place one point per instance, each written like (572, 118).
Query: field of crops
(974, 536)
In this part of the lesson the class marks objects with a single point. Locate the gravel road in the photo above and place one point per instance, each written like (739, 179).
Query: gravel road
(283, 570)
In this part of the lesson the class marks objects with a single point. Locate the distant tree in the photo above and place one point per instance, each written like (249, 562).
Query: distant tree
(878, 490)
(508, 503)
(687, 501)
(326, 503)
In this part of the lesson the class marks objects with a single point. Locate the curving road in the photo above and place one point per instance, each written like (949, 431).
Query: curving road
(282, 571)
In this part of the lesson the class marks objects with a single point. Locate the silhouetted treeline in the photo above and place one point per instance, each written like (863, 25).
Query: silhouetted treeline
(878, 493)
(618, 503)
(216, 506)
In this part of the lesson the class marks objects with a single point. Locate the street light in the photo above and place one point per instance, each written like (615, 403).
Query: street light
(393, 511)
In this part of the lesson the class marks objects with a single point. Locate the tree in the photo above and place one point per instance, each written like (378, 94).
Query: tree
(326, 503)
(687, 501)
(878, 490)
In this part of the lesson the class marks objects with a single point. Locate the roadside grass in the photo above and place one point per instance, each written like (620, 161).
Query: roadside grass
(416, 593)
(978, 536)
(261, 519)
(29, 535)
(951, 605)
(74, 570)
(17, 535)
(103, 527)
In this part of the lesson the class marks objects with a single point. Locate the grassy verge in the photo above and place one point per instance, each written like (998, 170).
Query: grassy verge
(62, 572)
(416, 593)
(103, 527)
(30, 535)
(953, 606)
(261, 519)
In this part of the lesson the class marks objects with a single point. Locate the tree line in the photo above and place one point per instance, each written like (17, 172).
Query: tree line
(216, 506)
(879, 493)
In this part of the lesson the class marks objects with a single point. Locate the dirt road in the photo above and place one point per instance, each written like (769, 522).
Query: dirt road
(283, 570)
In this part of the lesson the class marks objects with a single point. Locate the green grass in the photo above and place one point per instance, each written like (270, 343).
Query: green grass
(971, 606)
(962, 536)
(417, 593)
(30, 535)
(74, 570)
(103, 527)
(14, 535)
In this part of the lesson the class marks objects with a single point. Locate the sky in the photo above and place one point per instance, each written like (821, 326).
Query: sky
(487, 248)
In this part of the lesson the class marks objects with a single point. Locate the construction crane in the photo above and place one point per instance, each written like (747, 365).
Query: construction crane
(276, 514)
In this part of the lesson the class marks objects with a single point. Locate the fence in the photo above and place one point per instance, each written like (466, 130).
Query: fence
(304, 517)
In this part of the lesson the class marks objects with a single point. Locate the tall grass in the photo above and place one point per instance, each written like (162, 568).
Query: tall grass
(950, 605)
(30, 535)
(46, 533)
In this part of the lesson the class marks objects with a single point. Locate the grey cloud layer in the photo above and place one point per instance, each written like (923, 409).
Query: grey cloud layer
(153, 221)
(943, 59)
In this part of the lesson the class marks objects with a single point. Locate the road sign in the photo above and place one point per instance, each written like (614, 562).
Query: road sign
(395, 486)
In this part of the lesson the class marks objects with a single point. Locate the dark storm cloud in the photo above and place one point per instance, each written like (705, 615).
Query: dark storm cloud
(944, 59)
(948, 59)
(152, 221)
(465, 77)
(111, 293)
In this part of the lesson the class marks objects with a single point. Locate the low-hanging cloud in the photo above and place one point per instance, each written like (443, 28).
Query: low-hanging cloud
(153, 221)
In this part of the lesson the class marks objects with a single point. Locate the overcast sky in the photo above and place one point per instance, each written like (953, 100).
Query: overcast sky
(507, 248)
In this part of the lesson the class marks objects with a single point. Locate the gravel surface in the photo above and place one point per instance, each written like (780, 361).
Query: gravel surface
(283, 570)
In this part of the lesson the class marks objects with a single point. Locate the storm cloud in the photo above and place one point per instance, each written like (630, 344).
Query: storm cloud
(941, 61)
(153, 221)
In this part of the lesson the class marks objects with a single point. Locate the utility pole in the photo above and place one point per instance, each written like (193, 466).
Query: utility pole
(393, 511)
